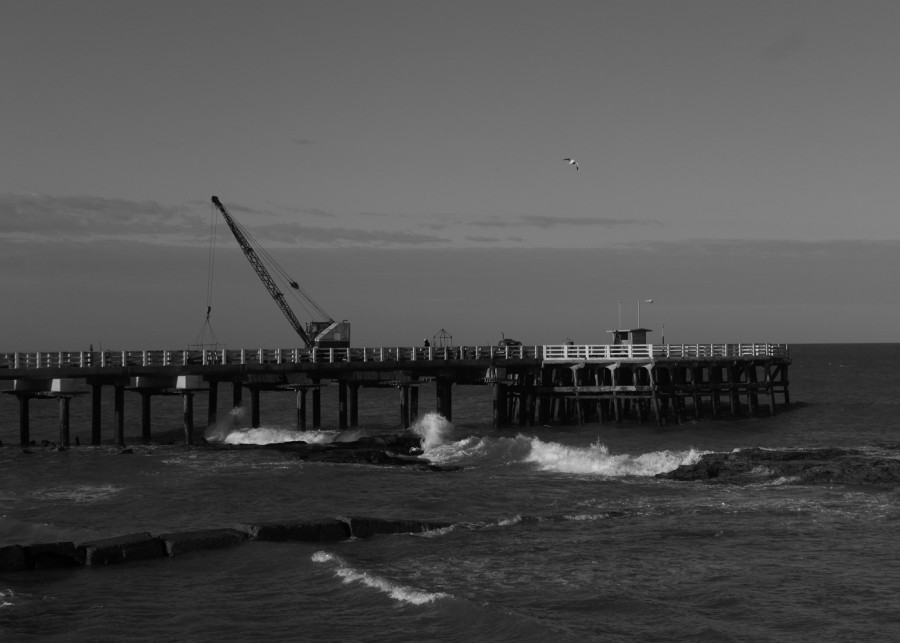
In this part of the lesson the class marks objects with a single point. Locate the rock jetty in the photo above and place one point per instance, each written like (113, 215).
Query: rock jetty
(145, 546)
(813, 466)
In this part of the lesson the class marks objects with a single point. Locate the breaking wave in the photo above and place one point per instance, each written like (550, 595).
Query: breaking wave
(595, 459)
(397, 591)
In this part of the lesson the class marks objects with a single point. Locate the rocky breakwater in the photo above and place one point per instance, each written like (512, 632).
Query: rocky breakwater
(812, 466)
(144, 546)
(403, 449)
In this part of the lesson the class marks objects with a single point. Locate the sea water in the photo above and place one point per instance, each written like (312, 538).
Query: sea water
(556, 532)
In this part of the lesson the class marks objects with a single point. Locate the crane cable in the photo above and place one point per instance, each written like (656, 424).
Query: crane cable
(289, 283)
(211, 268)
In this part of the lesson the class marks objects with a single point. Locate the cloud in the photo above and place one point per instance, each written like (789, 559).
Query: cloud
(303, 141)
(291, 234)
(546, 222)
(83, 218)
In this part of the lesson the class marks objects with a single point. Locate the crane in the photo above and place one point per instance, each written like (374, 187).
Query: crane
(321, 334)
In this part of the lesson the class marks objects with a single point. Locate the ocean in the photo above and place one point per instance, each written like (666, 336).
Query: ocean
(559, 533)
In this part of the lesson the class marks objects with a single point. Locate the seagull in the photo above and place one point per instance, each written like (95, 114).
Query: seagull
(572, 162)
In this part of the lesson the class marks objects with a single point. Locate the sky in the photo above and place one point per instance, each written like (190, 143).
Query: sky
(403, 161)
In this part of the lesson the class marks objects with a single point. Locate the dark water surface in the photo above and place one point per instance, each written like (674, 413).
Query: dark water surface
(560, 533)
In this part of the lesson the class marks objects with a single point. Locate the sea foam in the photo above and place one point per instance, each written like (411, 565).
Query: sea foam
(397, 591)
(596, 459)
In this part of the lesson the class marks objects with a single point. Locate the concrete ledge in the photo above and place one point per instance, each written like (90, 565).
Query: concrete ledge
(326, 530)
(112, 551)
(53, 555)
(144, 546)
(187, 541)
(12, 558)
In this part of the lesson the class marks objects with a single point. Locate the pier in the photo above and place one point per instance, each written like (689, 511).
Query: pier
(663, 383)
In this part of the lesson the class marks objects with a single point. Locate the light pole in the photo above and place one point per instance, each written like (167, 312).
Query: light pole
(647, 301)
(619, 327)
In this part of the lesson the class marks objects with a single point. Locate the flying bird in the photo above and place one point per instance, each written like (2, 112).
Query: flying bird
(572, 162)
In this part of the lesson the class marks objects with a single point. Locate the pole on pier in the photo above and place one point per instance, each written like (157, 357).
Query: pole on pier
(96, 389)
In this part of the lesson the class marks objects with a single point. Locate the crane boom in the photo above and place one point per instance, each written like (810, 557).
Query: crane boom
(263, 274)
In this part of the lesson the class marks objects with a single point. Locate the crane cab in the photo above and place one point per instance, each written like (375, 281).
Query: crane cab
(329, 334)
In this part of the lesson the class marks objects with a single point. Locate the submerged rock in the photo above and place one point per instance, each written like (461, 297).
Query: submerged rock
(813, 466)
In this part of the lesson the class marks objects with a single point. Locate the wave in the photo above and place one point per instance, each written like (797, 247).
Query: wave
(440, 446)
(397, 591)
(79, 494)
(227, 431)
(595, 459)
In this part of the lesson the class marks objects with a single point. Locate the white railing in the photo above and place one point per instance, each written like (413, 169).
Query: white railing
(606, 352)
(551, 353)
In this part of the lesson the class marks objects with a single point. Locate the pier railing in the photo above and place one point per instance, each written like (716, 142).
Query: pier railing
(551, 353)
(605, 352)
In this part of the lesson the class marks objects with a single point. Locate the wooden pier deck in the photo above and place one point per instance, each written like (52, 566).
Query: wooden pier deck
(531, 384)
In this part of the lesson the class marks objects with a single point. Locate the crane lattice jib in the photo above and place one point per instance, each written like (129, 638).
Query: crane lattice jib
(263, 274)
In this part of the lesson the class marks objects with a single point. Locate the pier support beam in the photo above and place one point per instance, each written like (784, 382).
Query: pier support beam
(254, 407)
(188, 398)
(404, 406)
(342, 404)
(301, 409)
(213, 403)
(145, 415)
(24, 426)
(354, 404)
(96, 435)
(499, 405)
(236, 394)
(413, 404)
(119, 405)
(64, 420)
(317, 408)
(444, 392)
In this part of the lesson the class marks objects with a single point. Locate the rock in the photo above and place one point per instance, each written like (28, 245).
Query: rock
(383, 450)
(813, 466)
